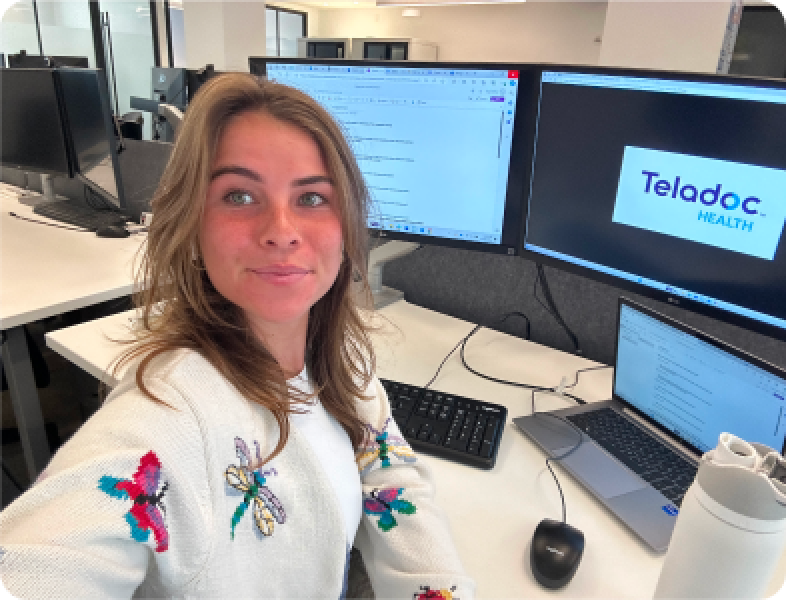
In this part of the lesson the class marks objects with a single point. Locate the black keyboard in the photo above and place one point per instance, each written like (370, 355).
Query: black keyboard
(79, 215)
(453, 427)
(651, 459)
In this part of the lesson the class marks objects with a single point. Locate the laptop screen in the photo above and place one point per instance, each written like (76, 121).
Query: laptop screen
(695, 386)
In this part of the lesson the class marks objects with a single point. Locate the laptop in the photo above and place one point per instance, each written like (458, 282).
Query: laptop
(675, 390)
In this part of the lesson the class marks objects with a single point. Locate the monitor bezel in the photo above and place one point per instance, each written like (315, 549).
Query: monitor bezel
(64, 142)
(720, 314)
(697, 333)
(521, 149)
(119, 202)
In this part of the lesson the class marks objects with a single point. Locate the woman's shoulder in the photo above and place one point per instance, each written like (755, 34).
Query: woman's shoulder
(181, 378)
(177, 367)
(373, 406)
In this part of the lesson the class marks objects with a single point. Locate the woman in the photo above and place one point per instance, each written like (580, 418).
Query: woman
(250, 445)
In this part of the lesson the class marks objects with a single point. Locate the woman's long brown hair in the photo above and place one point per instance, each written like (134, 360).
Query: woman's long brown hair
(179, 306)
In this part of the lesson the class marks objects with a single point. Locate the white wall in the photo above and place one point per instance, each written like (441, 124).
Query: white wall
(532, 32)
(223, 33)
(683, 36)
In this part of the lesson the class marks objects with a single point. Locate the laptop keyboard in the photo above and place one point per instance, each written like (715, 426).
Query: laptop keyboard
(453, 427)
(641, 452)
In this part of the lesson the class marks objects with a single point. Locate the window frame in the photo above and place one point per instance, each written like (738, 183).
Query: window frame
(278, 10)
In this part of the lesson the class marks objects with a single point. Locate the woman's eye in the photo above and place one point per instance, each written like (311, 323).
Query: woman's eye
(239, 198)
(312, 199)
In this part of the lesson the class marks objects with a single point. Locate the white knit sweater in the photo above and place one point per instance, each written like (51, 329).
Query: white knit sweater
(149, 500)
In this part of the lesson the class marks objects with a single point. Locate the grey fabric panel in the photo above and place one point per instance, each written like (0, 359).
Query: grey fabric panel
(141, 165)
(481, 288)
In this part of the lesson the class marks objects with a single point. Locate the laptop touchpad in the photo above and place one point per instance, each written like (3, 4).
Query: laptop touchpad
(598, 471)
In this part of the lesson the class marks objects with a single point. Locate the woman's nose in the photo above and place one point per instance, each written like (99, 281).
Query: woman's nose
(280, 228)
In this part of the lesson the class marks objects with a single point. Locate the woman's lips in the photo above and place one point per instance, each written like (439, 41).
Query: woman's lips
(281, 273)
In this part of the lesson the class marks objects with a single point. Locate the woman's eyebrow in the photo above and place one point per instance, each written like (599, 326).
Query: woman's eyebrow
(312, 179)
(236, 170)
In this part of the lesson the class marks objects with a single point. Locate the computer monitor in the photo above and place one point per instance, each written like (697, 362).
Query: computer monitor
(168, 87)
(69, 61)
(667, 184)
(440, 144)
(90, 133)
(23, 60)
(32, 136)
(195, 78)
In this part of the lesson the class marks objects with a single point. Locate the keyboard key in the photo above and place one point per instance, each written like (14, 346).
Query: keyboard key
(449, 426)
(491, 430)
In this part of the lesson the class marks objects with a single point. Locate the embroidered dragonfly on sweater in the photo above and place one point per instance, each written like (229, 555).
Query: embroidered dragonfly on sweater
(380, 448)
(383, 503)
(266, 508)
(146, 512)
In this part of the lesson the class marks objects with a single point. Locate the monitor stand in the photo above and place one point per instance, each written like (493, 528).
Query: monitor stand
(31, 198)
(380, 255)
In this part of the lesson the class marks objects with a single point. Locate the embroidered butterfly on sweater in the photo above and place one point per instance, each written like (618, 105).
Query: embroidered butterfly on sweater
(147, 511)
(383, 503)
(426, 593)
(378, 449)
(267, 509)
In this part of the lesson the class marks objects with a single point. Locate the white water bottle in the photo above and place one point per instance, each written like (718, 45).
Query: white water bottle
(731, 529)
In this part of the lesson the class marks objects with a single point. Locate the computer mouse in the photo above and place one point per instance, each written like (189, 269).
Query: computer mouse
(112, 231)
(555, 553)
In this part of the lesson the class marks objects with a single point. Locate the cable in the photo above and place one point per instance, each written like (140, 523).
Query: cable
(444, 360)
(552, 306)
(576, 376)
(516, 313)
(527, 386)
(50, 224)
(565, 454)
(463, 341)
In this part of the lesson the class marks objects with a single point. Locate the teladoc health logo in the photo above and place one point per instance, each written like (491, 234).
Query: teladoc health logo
(735, 206)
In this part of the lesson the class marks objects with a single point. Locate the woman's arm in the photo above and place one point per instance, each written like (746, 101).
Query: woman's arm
(121, 493)
(404, 537)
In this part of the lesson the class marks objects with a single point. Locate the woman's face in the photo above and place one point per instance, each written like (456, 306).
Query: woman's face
(271, 236)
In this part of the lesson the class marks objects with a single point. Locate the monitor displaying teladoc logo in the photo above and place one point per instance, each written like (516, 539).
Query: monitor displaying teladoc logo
(729, 205)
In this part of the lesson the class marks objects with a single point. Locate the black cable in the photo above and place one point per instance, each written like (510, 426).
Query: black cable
(50, 224)
(527, 386)
(565, 454)
(516, 313)
(469, 335)
(444, 360)
(552, 306)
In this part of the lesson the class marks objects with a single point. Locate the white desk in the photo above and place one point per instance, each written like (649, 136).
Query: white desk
(46, 271)
(492, 513)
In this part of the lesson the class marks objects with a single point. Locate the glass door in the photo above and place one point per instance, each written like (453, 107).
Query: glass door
(283, 27)
(18, 30)
(66, 33)
(127, 32)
